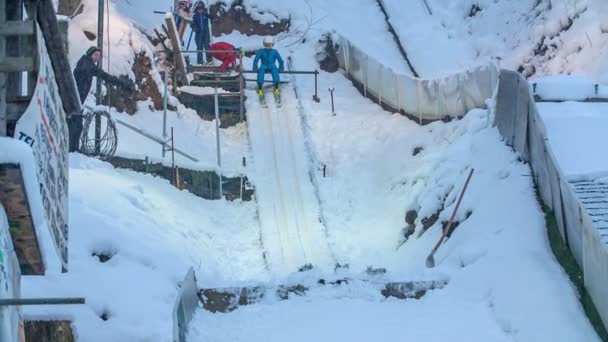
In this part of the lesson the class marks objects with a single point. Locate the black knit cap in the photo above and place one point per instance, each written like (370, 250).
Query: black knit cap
(91, 51)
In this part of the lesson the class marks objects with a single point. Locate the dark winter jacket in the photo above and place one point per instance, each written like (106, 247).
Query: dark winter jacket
(84, 72)
(200, 26)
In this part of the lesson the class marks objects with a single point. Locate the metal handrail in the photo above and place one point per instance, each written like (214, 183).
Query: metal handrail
(40, 301)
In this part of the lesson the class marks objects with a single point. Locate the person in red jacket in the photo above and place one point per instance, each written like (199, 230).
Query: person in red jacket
(227, 58)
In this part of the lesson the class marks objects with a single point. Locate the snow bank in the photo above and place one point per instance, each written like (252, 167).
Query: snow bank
(13, 151)
(153, 234)
(577, 134)
(541, 37)
(568, 88)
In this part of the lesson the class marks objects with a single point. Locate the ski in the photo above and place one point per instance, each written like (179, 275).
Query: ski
(277, 98)
(262, 98)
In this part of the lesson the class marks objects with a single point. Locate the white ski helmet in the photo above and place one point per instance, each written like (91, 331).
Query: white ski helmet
(268, 41)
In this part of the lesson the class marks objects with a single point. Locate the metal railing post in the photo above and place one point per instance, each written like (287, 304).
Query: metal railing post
(365, 78)
(173, 159)
(419, 102)
(398, 90)
(316, 95)
(100, 24)
(217, 140)
(241, 189)
(380, 85)
(165, 105)
(241, 87)
(437, 111)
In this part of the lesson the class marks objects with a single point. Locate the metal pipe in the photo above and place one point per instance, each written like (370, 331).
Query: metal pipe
(205, 51)
(398, 88)
(265, 81)
(419, 102)
(288, 72)
(165, 105)
(153, 138)
(380, 84)
(100, 19)
(241, 189)
(40, 301)
(365, 83)
(242, 100)
(331, 92)
(173, 158)
(315, 97)
(214, 81)
(217, 140)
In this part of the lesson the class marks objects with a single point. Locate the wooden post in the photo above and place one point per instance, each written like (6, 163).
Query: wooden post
(47, 19)
(2, 74)
(178, 58)
(15, 45)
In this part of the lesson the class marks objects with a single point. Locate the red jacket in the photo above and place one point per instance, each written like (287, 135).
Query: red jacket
(227, 58)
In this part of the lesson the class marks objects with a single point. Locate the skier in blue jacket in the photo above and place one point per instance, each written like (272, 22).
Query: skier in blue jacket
(268, 56)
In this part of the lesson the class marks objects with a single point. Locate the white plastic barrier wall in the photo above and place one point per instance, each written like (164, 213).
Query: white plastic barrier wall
(10, 284)
(519, 122)
(427, 100)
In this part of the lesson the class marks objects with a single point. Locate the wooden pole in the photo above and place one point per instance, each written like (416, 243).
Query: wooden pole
(47, 19)
(3, 77)
(99, 100)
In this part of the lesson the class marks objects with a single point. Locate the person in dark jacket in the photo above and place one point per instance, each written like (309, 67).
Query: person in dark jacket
(200, 26)
(85, 69)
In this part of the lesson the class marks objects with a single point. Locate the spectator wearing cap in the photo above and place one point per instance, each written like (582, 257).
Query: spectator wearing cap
(85, 69)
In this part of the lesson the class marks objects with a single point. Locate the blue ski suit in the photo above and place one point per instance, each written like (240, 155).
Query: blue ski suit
(269, 58)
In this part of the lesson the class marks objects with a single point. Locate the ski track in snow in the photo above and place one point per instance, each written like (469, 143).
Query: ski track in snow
(289, 215)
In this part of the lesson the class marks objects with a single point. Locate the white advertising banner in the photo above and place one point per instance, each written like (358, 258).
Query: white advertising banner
(44, 128)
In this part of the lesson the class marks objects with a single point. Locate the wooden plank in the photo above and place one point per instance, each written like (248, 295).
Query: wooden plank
(16, 64)
(17, 28)
(178, 58)
(23, 233)
(47, 19)
(3, 76)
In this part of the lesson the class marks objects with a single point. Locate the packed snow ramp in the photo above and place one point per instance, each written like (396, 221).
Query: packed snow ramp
(292, 232)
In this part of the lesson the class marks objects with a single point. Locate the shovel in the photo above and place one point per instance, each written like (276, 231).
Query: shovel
(430, 260)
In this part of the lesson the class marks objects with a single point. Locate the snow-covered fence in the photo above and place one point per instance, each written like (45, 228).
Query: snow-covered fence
(10, 280)
(519, 122)
(426, 100)
(185, 306)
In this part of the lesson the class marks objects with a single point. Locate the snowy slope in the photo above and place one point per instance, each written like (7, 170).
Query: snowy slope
(502, 278)
(545, 37)
(153, 233)
(490, 262)
(292, 230)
